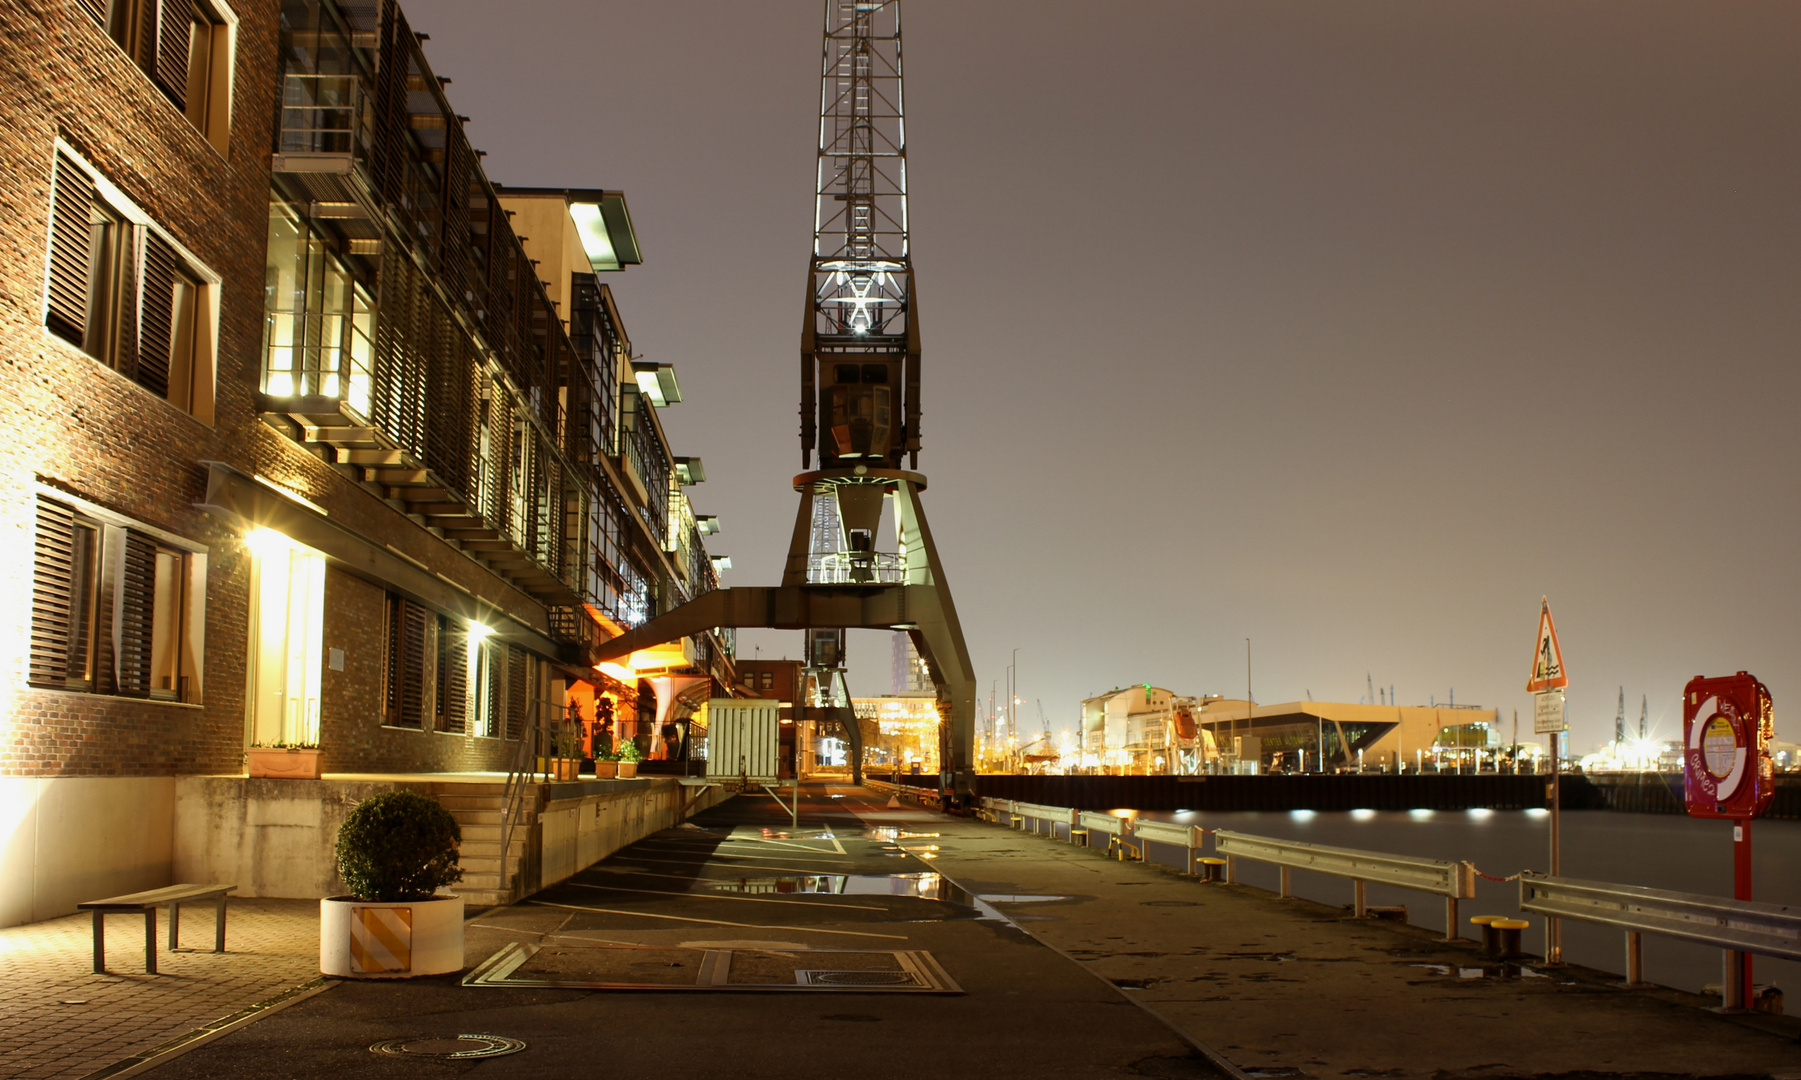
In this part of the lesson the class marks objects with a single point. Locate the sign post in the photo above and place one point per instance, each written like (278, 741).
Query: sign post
(1547, 683)
(1727, 725)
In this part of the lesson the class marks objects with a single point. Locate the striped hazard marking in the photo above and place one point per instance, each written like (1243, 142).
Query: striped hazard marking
(381, 939)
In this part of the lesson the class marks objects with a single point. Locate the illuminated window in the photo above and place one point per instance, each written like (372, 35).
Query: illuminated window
(121, 290)
(287, 617)
(114, 607)
(185, 47)
(318, 321)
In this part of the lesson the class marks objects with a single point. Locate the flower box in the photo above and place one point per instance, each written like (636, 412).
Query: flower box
(287, 764)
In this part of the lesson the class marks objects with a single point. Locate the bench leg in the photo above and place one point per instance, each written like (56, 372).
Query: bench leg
(174, 926)
(150, 941)
(99, 942)
(219, 927)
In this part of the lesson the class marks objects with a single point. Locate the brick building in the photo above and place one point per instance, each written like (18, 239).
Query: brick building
(313, 441)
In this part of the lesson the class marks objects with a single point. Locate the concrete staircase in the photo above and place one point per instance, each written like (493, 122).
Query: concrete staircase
(478, 809)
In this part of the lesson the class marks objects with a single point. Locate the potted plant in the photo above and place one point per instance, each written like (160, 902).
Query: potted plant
(567, 763)
(606, 765)
(287, 760)
(628, 757)
(394, 851)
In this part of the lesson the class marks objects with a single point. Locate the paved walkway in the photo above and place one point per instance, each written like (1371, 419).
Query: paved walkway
(60, 1020)
(1295, 988)
(1097, 969)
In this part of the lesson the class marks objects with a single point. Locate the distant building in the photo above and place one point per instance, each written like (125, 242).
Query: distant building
(911, 674)
(1147, 729)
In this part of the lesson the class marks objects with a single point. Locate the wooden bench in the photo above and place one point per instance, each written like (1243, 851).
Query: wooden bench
(146, 903)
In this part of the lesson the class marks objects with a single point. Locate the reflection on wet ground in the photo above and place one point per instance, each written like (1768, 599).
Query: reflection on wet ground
(1487, 971)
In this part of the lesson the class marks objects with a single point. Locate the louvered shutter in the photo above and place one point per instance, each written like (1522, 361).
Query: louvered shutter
(52, 595)
(137, 615)
(453, 677)
(125, 340)
(412, 690)
(95, 9)
(71, 203)
(156, 328)
(174, 32)
(518, 692)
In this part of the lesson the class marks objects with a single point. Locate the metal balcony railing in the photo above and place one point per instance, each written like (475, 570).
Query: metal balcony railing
(326, 122)
(860, 568)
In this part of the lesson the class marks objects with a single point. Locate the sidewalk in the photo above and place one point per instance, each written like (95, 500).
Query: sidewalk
(60, 1020)
(1295, 988)
(661, 961)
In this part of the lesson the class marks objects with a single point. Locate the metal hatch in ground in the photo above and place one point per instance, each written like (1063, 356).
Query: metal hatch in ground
(585, 966)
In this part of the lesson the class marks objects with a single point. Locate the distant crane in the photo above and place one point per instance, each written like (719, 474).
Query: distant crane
(860, 417)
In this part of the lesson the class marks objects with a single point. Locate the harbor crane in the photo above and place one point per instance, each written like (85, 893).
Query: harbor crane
(859, 416)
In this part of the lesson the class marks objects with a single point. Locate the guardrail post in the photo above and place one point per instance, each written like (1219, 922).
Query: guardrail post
(1451, 918)
(1732, 979)
(1358, 906)
(1635, 958)
(1287, 884)
(1231, 869)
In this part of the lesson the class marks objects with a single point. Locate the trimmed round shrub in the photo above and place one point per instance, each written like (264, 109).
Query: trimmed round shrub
(398, 846)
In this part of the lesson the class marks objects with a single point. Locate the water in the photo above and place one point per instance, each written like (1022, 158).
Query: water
(1655, 850)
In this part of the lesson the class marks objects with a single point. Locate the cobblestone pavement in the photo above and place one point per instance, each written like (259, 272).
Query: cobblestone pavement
(60, 1020)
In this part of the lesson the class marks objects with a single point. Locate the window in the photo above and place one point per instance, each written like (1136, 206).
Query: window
(113, 609)
(185, 47)
(768, 680)
(120, 290)
(405, 703)
(489, 686)
(452, 698)
(287, 619)
(318, 321)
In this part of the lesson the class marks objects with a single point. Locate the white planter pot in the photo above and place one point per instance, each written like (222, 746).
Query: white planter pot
(359, 940)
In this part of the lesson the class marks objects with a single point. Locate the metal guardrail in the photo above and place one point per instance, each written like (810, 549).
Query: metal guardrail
(1449, 879)
(1103, 823)
(1191, 838)
(1452, 880)
(1732, 926)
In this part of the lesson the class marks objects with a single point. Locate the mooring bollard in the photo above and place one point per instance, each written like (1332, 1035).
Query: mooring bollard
(1491, 938)
(1510, 936)
(1210, 869)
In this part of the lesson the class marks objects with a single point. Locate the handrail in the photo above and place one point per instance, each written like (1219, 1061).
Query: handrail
(514, 792)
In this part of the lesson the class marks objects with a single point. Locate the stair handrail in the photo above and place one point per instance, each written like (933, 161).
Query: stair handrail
(526, 758)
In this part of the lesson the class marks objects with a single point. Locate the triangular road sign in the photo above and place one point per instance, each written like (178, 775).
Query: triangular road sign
(1547, 659)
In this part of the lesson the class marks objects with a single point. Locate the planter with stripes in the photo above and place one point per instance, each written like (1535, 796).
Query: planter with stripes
(364, 940)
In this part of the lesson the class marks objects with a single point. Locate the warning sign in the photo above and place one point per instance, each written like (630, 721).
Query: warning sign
(1547, 659)
(1547, 712)
(381, 940)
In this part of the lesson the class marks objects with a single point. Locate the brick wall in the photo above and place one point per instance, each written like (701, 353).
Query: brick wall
(351, 732)
(79, 426)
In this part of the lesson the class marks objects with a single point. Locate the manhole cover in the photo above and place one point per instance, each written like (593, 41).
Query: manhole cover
(1168, 903)
(816, 977)
(449, 1046)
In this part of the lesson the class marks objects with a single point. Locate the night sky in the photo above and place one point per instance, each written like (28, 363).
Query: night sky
(1351, 328)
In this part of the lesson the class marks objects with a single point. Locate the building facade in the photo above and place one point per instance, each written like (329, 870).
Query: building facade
(311, 444)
